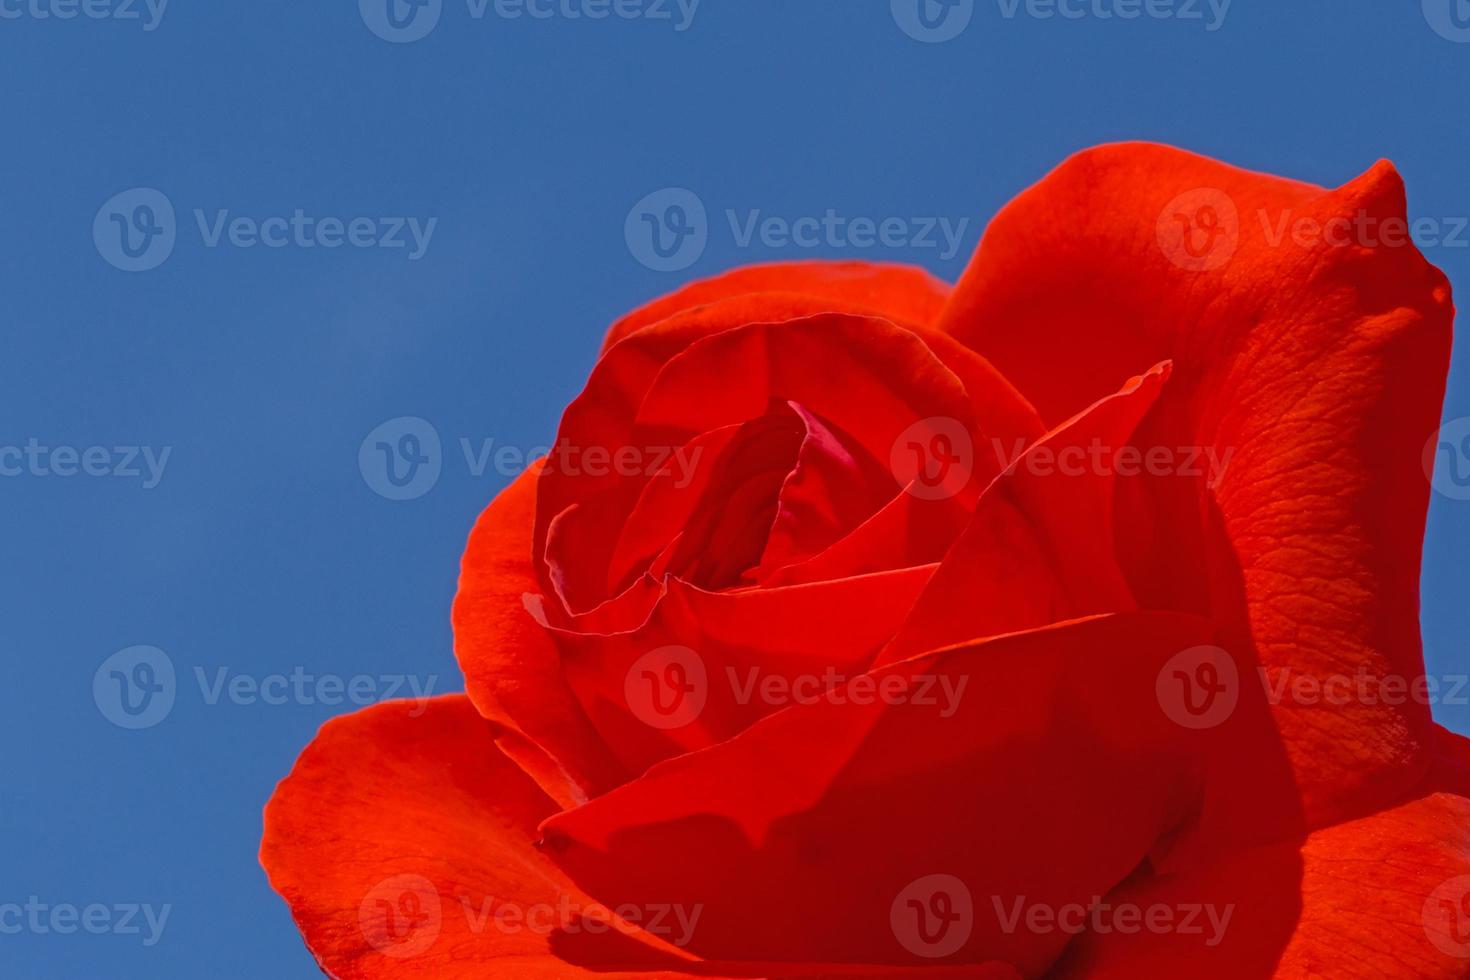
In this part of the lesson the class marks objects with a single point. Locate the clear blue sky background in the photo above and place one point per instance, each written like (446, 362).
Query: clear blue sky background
(263, 549)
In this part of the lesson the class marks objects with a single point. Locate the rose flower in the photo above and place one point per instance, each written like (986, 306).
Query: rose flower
(1061, 622)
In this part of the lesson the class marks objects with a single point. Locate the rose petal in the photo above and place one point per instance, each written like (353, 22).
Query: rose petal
(833, 488)
(906, 532)
(798, 836)
(875, 379)
(690, 675)
(1321, 366)
(1387, 895)
(511, 666)
(1040, 547)
(905, 294)
(398, 840)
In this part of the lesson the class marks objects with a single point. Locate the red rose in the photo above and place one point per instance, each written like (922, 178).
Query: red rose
(1064, 621)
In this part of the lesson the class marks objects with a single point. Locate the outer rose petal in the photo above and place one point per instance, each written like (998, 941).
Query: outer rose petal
(1384, 896)
(1321, 366)
(906, 294)
(798, 836)
(511, 666)
(394, 830)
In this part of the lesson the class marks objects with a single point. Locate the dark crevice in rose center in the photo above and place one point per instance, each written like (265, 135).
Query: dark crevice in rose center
(726, 535)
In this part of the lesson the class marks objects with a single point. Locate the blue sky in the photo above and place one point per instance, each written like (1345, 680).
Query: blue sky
(505, 154)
